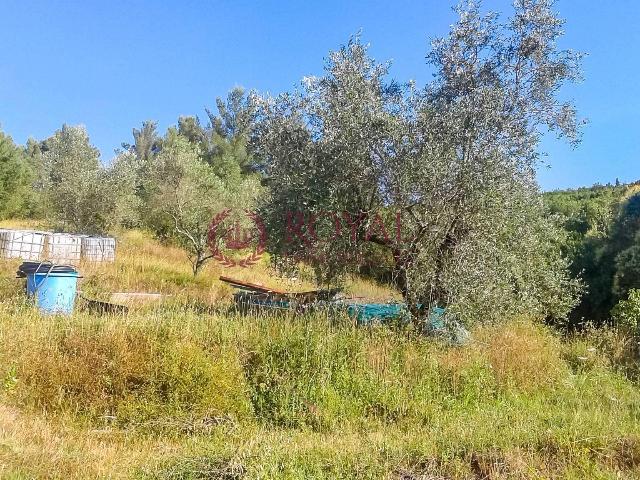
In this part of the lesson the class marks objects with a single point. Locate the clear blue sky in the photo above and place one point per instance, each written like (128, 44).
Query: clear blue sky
(112, 64)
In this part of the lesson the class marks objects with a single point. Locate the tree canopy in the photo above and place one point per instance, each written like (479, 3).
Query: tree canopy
(15, 176)
(455, 160)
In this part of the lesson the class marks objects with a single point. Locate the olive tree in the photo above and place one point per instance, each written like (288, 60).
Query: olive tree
(185, 194)
(452, 166)
(78, 192)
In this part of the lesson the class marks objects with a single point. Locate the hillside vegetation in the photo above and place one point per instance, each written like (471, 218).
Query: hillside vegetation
(173, 391)
(431, 187)
(602, 225)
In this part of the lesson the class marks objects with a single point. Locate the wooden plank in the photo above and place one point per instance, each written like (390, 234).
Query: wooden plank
(308, 296)
(254, 287)
(136, 297)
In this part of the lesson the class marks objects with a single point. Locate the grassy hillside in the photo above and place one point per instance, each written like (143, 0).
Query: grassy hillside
(170, 392)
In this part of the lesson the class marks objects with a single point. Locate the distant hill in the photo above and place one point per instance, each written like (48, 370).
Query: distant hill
(589, 209)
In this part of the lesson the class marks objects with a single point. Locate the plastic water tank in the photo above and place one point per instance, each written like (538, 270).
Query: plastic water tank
(63, 247)
(25, 244)
(99, 249)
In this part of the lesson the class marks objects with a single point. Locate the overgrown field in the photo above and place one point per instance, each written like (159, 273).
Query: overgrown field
(186, 390)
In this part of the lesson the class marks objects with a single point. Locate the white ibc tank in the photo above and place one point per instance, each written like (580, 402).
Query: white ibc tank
(63, 247)
(24, 244)
(99, 249)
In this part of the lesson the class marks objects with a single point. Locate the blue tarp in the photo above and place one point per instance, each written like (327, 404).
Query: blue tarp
(368, 312)
(438, 323)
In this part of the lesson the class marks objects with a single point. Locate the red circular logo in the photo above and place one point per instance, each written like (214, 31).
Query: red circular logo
(226, 236)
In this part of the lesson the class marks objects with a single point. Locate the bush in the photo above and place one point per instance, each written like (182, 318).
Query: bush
(624, 351)
(626, 314)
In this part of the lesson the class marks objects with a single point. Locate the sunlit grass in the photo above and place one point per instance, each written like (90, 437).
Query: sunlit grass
(171, 392)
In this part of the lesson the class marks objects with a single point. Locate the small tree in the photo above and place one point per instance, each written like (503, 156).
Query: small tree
(79, 192)
(185, 194)
(195, 172)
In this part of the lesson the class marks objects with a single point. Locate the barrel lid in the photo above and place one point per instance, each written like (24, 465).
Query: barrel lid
(30, 268)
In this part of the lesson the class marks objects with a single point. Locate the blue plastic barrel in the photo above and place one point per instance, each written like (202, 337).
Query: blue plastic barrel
(54, 292)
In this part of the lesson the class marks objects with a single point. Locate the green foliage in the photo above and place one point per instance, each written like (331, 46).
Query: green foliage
(602, 225)
(223, 144)
(456, 161)
(625, 247)
(70, 176)
(627, 276)
(320, 378)
(81, 195)
(587, 210)
(295, 384)
(123, 178)
(182, 180)
(16, 176)
(147, 142)
(626, 313)
(184, 194)
(231, 159)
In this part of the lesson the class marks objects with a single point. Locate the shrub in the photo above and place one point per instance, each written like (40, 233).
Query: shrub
(626, 314)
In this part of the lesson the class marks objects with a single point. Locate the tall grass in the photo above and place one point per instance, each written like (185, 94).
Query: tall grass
(173, 392)
(312, 397)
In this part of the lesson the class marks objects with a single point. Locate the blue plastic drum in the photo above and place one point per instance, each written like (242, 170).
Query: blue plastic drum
(55, 293)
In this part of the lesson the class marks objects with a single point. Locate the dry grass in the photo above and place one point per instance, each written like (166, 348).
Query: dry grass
(521, 356)
(367, 290)
(25, 223)
(524, 356)
(119, 374)
(33, 446)
(146, 265)
(327, 401)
